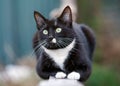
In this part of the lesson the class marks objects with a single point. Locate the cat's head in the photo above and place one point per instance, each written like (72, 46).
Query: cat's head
(55, 33)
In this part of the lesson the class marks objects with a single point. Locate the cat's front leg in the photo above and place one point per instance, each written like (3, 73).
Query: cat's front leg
(74, 75)
(60, 75)
(45, 74)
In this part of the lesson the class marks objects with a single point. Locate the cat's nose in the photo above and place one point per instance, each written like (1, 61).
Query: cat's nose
(52, 39)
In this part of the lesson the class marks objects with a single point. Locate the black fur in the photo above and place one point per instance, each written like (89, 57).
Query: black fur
(79, 58)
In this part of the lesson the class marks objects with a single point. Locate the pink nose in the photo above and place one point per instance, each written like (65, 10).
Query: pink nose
(53, 40)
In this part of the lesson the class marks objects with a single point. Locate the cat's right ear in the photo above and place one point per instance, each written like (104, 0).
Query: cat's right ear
(40, 20)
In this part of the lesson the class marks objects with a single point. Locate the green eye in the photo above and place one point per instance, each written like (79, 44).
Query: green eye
(58, 30)
(45, 32)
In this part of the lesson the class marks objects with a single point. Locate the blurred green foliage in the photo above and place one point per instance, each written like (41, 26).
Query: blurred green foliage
(98, 55)
(102, 76)
(89, 13)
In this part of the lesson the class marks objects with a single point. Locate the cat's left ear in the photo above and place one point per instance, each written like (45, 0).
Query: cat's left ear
(66, 16)
(40, 20)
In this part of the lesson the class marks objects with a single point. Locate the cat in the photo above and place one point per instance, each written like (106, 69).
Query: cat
(64, 49)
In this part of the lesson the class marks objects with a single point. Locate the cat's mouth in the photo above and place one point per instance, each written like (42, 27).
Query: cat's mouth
(52, 46)
(60, 43)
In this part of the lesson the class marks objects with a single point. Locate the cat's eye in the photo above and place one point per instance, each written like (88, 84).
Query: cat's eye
(45, 32)
(58, 30)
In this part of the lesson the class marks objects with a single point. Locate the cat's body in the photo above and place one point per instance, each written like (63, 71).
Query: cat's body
(67, 54)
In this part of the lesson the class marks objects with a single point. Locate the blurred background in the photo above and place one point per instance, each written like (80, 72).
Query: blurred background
(17, 28)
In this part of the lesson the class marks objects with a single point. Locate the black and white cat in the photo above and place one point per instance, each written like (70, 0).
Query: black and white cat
(64, 49)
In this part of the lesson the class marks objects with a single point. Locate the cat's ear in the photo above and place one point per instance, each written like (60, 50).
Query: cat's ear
(66, 15)
(40, 20)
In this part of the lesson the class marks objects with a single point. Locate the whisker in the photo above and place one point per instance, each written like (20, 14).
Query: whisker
(61, 43)
(40, 49)
(58, 43)
(38, 46)
(64, 42)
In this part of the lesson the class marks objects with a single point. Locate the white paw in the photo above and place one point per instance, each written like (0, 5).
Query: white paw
(74, 76)
(60, 75)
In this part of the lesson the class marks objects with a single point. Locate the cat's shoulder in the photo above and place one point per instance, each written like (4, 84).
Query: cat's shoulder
(78, 27)
(82, 28)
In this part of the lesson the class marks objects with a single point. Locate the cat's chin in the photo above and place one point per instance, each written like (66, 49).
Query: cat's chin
(53, 47)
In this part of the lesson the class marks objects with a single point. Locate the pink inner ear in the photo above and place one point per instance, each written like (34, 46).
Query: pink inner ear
(67, 16)
(39, 20)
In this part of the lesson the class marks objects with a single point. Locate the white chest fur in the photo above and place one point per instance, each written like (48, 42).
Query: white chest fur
(60, 55)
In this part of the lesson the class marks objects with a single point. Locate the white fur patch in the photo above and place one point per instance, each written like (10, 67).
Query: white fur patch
(74, 76)
(60, 55)
(60, 75)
